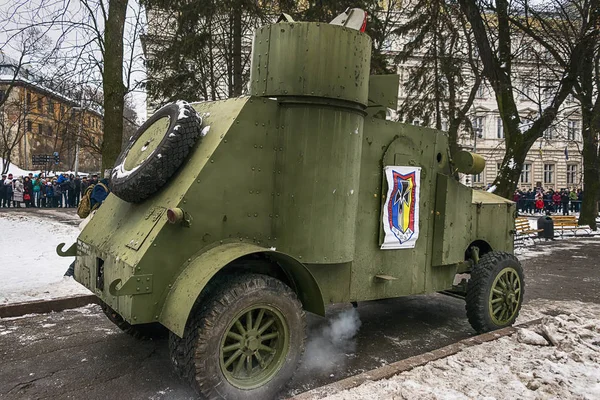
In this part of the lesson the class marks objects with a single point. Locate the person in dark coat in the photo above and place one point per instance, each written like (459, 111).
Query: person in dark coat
(27, 191)
(2, 190)
(71, 191)
(8, 190)
(564, 199)
(77, 191)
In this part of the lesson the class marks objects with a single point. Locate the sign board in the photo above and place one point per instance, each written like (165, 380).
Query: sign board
(401, 208)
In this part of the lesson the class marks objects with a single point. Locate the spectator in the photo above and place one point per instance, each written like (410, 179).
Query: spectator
(539, 204)
(36, 184)
(556, 201)
(579, 199)
(77, 182)
(57, 193)
(49, 194)
(573, 198)
(71, 191)
(27, 191)
(18, 192)
(2, 191)
(564, 199)
(7, 185)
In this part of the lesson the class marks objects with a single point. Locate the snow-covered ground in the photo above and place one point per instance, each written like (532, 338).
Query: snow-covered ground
(30, 269)
(526, 365)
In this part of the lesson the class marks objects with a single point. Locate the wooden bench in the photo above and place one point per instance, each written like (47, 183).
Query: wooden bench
(524, 231)
(568, 223)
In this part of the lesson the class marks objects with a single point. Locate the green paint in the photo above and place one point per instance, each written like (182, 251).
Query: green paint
(254, 346)
(289, 181)
(505, 296)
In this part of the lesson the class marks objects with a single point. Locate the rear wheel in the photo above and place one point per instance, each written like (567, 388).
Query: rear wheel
(495, 292)
(244, 341)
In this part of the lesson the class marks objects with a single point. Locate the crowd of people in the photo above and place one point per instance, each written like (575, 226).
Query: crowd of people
(539, 201)
(38, 190)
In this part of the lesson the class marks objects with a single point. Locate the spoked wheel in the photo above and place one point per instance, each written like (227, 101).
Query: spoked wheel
(255, 347)
(243, 341)
(495, 292)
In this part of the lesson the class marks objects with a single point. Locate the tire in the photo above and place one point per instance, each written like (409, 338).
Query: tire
(503, 272)
(167, 137)
(140, 332)
(206, 356)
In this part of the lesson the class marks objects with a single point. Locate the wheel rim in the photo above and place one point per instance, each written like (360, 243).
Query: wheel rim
(147, 143)
(254, 346)
(505, 296)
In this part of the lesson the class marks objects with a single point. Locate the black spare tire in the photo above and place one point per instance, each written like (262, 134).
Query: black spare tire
(155, 152)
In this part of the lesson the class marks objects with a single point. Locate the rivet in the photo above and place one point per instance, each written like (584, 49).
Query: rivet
(189, 260)
(277, 194)
(134, 317)
(137, 288)
(253, 168)
(255, 146)
(248, 214)
(276, 215)
(251, 192)
(281, 149)
(156, 317)
(170, 286)
(225, 141)
(256, 123)
(256, 215)
(147, 288)
(138, 279)
(198, 181)
(241, 239)
(260, 146)
(299, 256)
(185, 201)
(212, 161)
(259, 170)
(147, 279)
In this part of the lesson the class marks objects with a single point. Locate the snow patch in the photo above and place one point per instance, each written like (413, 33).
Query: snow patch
(508, 368)
(183, 111)
(205, 130)
(492, 189)
(29, 274)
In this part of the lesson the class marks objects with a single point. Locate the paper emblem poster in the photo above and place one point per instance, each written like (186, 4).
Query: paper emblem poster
(401, 209)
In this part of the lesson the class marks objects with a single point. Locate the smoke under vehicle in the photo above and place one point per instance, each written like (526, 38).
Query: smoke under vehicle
(228, 220)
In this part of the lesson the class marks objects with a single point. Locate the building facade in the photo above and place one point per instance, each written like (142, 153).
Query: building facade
(36, 120)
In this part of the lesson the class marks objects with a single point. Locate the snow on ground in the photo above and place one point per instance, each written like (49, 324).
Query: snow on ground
(30, 269)
(521, 366)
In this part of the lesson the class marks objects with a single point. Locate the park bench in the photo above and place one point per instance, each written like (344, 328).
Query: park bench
(524, 231)
(568, 223)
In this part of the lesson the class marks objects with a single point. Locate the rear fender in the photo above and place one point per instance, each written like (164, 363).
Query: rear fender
(200, 270)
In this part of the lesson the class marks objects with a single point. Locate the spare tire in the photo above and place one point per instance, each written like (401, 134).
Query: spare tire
(155, 152)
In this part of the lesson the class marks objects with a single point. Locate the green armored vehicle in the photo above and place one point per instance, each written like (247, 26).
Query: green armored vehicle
(230, 219)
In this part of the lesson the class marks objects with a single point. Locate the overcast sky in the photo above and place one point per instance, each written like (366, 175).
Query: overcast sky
(71, 50)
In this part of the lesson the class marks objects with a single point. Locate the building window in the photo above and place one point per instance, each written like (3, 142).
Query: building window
(572, 128)
(28, 99)
(40, 105)
(476, 178)
(481, 91)
(526, 174)
(50, 107)
(548, 173)
(571, 174)
(62, 110)
(29, 126)
(500, 128)
(478, 123)
(40, 129)
(49, 130)
(549, 133)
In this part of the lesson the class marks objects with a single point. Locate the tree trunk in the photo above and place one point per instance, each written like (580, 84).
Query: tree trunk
(237, 51)
(591, 164)
(112, 83)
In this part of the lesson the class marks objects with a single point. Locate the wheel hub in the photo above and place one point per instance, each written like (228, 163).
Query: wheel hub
(505, 296)
(255, 347)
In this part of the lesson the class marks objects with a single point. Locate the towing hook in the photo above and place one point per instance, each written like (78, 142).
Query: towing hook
(70, 252)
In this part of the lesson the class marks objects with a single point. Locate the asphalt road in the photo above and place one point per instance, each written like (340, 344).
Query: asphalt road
(79, 354)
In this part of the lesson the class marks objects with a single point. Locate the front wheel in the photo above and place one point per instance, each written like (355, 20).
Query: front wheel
(495, 292)
(244, 341)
